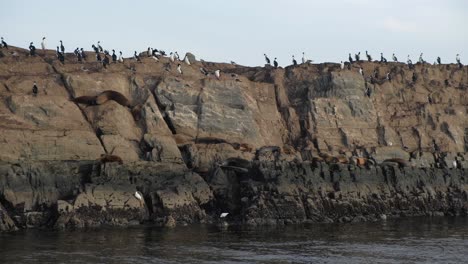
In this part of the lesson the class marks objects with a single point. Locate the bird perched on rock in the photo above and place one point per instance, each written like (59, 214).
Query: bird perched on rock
(100, 49)
(43, 44)
(394, 58)
(4, 44)
(136, 57)
(438, 60)
(186, 60)
(342, 65)
(361, 71)
(303, 58)
(179, 69)
(357, 56)
(98, 57)
(172, 57)
(148, 52)
(457, 58)
(139, 195)
(267, 59)
(389, 77)
(204, 71)
(32, 49)
(120, 57)
(95, 48)
(35, 89)
(294, 61)
(275, 63)
(218, 74)
(350, 58)
(382, 58)
(105, 61)
(421, 60)
(62, 48)
(369, 58)
(114, 57)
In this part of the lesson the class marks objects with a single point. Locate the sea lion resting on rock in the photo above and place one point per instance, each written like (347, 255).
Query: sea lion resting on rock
(236, 164)
(88, 100)
(105, 158)
(401, 162)
(112, 95)
(102, 98)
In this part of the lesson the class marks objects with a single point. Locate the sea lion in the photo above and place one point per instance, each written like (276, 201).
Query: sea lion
(112, 95)
(275, 150)
(105, 158)
(237, 162)
(87, 100)
(401, 162)
(210, 140)
(234, 168)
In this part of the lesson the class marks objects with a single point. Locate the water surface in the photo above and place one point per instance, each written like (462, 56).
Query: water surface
(413, 240)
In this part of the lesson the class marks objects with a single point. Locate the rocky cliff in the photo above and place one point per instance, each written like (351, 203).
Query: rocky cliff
(304, 143)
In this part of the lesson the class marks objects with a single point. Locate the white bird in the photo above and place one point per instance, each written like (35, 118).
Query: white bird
(139, 195)
(120, 57)
(179, 69)
(186, 59)
(43, 43)
(223, 215)
(303, 57)
(457, 58)
(155, 58)
(342, 65)
(361, 71)
(217, 74)
(172, 57)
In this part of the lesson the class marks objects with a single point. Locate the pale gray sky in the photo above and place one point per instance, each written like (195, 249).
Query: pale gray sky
(243, 30)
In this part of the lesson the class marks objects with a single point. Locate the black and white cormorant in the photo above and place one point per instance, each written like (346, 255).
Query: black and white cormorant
(179, 69)
(275, 63)
(382, 58)
(32, 49)
(35, 89)
(369, 58)
(438, 60)
(350, 58)
(100, 49)
(294, 61)
(62, 48)
(303, 58)
(4, 44)
(148, 52)
(267, 59)
(114, 57)
(96, 49)
(105, 61)
(204, 71)
(83, 54)
(136, 57)
(357, 56)
(394, 58)
(421, 60)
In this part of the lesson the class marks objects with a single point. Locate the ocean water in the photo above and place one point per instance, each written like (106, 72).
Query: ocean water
(411, 240)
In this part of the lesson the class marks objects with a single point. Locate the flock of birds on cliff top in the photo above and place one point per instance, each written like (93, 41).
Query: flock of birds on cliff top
(104, 57)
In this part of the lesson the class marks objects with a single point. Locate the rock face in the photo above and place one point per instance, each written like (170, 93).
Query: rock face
(321, 143)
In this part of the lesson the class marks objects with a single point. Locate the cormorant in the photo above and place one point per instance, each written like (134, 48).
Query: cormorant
(267, 59)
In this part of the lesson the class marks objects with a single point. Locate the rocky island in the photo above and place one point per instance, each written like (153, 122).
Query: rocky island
(270, 146)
